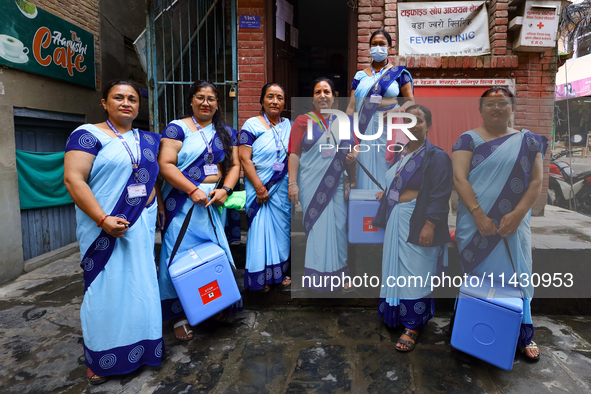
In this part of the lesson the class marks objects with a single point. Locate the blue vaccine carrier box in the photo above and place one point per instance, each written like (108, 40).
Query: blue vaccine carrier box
(204, 281)
(363, 207)
(488, 321)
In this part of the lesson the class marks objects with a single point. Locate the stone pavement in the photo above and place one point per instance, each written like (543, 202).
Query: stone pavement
(271, 348)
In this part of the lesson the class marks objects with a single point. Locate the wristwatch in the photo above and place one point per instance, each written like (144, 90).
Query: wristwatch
(228, 190)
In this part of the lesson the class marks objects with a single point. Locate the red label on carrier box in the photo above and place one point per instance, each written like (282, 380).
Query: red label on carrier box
(368, 227)
(210, 292)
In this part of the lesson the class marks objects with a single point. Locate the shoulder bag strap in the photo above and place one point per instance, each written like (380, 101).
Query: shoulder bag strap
(181, 235)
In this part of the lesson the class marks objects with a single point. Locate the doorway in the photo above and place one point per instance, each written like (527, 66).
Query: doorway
(326, 46)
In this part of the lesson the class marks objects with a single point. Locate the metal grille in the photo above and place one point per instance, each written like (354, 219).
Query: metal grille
(189, 40)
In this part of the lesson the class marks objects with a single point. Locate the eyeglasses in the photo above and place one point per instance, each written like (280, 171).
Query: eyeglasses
(500, 104)
(210, 99)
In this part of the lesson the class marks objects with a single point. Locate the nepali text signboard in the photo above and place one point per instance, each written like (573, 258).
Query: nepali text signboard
(443, 29)
(34, 40)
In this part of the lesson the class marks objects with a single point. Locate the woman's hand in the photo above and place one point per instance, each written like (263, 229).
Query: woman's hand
(485, 225)
(262, 198)
(426, 235)
(294, 194)
(510, 223)
(350, 158)
(115, 226)
(199, 197)
(379, 195)
(217, 197)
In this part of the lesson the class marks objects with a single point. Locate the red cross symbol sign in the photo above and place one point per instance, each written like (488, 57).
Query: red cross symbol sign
(540, 25)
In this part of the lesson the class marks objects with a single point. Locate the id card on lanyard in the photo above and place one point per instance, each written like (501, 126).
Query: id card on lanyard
(278, 165)
(328, 152)
(375, 98)
(139, 189)
(208, 168)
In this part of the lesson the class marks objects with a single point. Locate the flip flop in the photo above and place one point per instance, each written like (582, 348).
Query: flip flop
(285, 286)
(184, 323)
(95, 379)
(411, 345)
(531, 345)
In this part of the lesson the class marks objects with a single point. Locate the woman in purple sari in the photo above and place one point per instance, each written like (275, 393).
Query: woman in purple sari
(498, 176)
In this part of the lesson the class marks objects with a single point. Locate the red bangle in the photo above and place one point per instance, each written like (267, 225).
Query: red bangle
(102, 220)
(193, 191)
(262, 191)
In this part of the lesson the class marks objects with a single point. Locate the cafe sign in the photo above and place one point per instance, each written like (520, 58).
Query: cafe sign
(34, 40)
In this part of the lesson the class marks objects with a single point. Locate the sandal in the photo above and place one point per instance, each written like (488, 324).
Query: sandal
(531, 345)
(189, 333)
(406, 342)
(95, 379)
(286, 283)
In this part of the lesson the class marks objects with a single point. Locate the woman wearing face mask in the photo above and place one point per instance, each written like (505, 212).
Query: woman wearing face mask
(413, 210)
(377, 88)
(263, 153)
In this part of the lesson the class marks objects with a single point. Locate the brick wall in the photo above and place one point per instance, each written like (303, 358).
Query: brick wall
(534, 73)
(83, 13)
(251, 61)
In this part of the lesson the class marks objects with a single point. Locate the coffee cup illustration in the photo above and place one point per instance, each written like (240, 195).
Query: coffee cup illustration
(13, 47)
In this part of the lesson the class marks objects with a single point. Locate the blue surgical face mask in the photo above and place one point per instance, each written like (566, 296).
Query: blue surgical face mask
(378, 53)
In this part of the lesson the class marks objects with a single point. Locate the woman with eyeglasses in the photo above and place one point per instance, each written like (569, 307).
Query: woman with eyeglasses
(263, 154)
(110, 171)
(377, 88)
(195, 152)
(498, 176)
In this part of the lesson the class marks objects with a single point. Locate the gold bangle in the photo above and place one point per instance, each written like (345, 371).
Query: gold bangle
(475, 208)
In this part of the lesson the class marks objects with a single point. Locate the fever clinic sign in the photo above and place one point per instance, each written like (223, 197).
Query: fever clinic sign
(34, 40)
(443, 29)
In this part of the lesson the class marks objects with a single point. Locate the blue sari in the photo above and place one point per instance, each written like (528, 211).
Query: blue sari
(409, 303)
(388, 84)
(323, 202)
(499, 174)
(190, 161)
(120, 313)
(268, 244)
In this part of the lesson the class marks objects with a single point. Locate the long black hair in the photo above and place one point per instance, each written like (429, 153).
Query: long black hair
(224, 132)
(264, 92)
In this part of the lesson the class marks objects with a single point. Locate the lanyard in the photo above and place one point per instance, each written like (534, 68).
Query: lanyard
(378, 74)
(209, 156)
(276, 136)
(135, 165)
(399, 166)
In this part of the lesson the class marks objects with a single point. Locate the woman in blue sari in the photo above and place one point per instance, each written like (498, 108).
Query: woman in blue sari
(414, 212)
(498, 176)
(376, 89)
(263, 154)
(110, 171)
(195, 152)
(316, 180)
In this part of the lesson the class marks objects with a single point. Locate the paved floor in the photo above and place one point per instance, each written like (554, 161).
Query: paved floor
(272, 349)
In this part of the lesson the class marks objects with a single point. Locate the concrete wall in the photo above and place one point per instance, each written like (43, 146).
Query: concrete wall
(21, 89)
